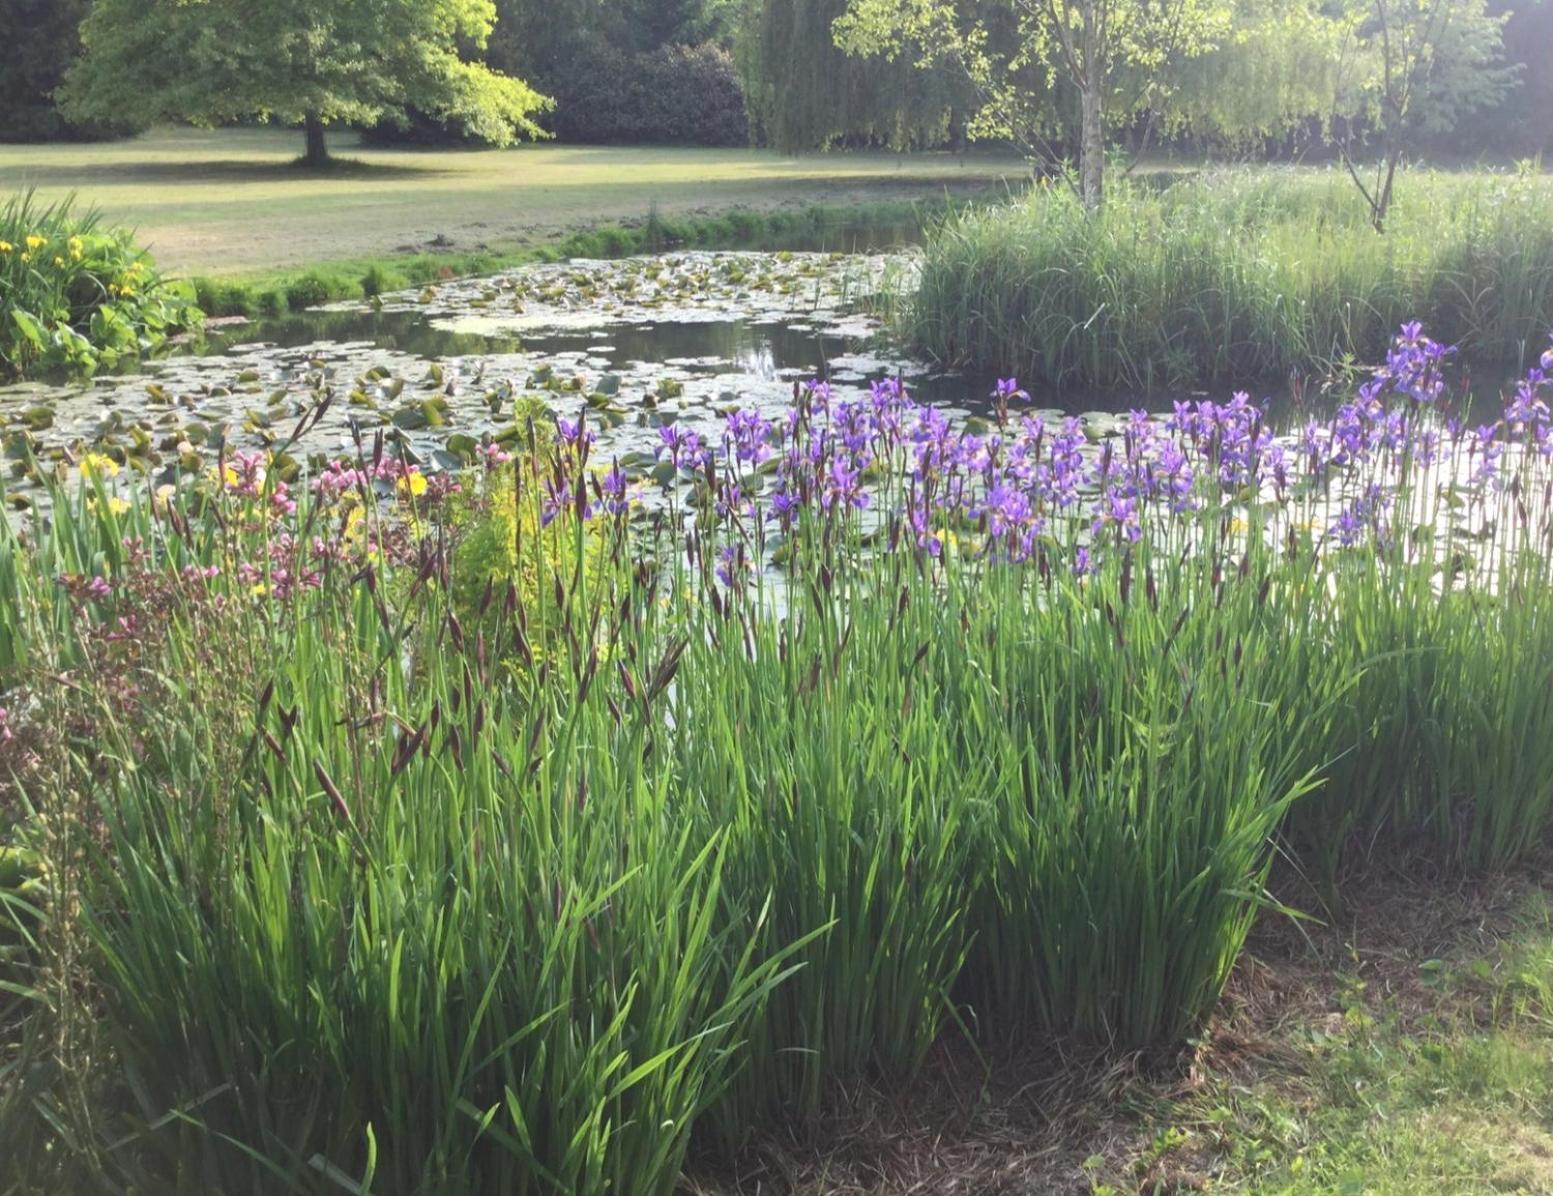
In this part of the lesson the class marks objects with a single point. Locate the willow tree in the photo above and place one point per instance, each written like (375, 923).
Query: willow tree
(308, 63)
(805, 92)
(1274, 71)
(1119, 58)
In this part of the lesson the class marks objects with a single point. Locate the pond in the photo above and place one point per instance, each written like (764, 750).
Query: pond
(638, 343)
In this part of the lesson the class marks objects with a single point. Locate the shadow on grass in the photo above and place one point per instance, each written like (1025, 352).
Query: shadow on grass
(79, 174)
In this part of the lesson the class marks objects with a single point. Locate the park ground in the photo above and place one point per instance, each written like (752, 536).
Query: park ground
(231, 202)
(1403, 1047)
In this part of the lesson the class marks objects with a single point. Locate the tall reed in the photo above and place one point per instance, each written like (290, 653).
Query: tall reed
(1232, 275)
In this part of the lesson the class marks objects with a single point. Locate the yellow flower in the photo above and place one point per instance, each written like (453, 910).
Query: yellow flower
(76, 248)
(116, 505)
(413, 484)
(36, 242)
(26, 257)
(6, 247)
(96, 465)
(58, 261)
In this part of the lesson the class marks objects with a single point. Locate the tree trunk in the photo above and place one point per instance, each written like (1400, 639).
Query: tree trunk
(317, 150)
(1091, 148)
(1383, 196)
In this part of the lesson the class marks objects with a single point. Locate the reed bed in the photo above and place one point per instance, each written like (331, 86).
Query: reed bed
(1231, 275)
(352, 870)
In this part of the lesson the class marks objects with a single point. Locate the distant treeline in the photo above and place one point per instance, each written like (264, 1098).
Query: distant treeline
(765, 72)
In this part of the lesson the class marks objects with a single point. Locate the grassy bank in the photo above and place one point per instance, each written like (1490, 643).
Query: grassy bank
(820, 227)
(531, 829)
(1239, 275)
(230, 202)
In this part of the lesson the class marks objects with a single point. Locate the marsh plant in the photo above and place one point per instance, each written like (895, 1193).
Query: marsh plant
(76, 295)
(1232, 275)
(362, 859)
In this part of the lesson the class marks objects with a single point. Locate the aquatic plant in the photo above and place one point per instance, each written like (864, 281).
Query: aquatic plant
(77, 296)
(1230, 275)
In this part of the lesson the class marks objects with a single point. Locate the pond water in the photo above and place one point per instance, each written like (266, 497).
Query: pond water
(637, 342)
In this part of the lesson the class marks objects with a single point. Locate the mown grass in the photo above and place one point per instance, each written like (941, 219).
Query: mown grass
(230, 201)
(345, 868)
(1413, 1056)
(1244, 274)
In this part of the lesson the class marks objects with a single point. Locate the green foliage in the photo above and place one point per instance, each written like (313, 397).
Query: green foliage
(75, 295)
(818, 227)
(1414, 68)
(652, 72)
(506, 554)
(673, 95)
(805, 93)
(1074, 69)
(1232, 275)
(1411, 69)
(294, 60)
(1274, 69)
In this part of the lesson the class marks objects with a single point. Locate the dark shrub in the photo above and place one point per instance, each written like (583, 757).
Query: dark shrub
(674, 95)
(38, 38)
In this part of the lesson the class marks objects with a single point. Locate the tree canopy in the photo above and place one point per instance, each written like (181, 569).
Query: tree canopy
(300, 62)
(1410, 69)
(1118, 58)
(806, 92)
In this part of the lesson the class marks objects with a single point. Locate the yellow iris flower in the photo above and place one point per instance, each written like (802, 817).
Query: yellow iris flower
(96, 465)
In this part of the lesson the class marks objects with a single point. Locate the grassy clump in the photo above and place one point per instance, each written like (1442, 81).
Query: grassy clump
(76, 295)
(1233, 274)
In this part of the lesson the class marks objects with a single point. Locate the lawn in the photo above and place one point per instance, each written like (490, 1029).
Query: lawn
(229, 201)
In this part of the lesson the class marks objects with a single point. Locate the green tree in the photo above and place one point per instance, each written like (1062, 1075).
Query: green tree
(299, 62)
(1116, 57)
(1411, 69)
(1522, 123)
(806, 92)
(1273, 71)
